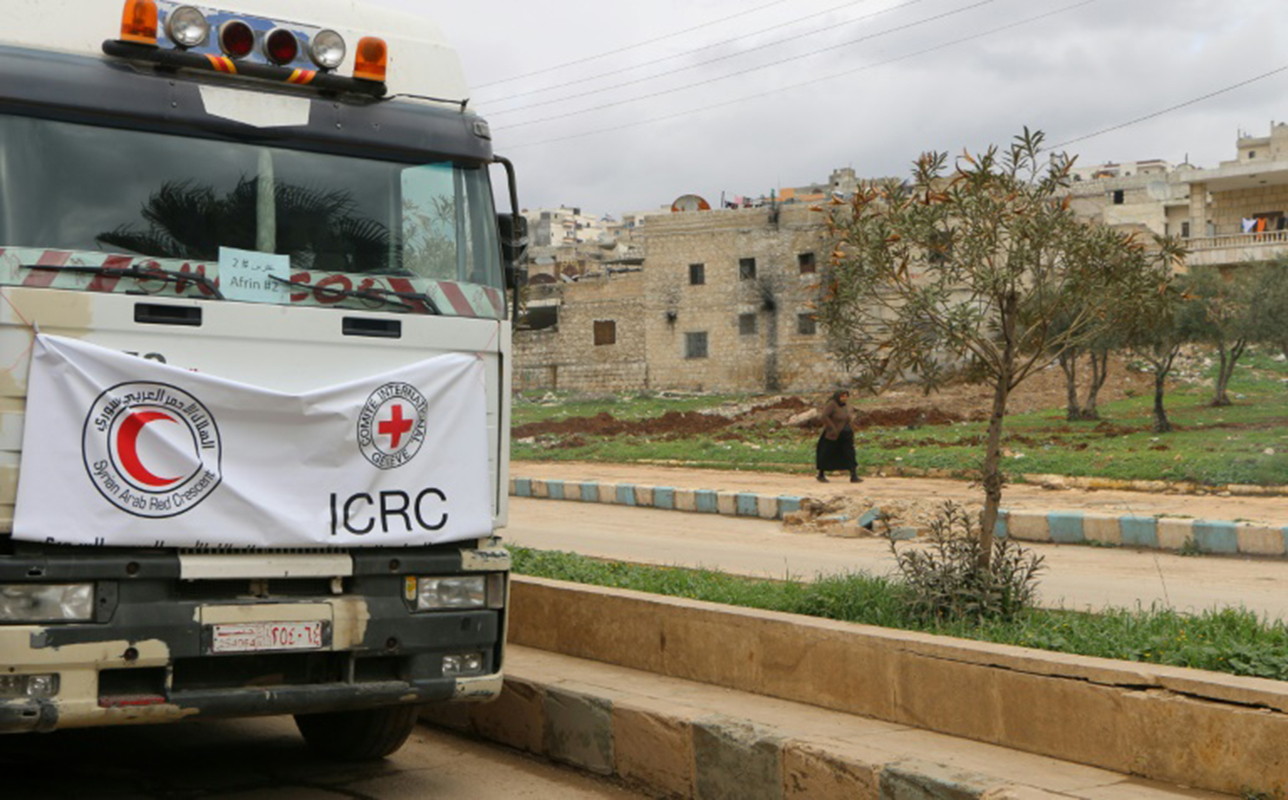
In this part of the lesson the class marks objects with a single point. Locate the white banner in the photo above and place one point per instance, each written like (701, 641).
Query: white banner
(122, 451)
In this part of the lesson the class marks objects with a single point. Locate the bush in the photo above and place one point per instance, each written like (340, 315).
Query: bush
(947, 581)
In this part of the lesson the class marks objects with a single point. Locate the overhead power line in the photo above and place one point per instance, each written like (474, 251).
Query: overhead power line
(833, 76)
(712, 46)
(741, 72)
(1170, 109)
(635, 46)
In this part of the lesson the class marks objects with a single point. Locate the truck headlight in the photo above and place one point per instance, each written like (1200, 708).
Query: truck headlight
(46, 602)
(462, 592)
(28, 685)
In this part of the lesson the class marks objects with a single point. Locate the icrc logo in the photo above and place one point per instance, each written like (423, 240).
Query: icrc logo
(391, 425)
(153, 450)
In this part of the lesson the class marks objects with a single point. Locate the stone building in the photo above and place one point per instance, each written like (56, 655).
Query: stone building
(724, 302)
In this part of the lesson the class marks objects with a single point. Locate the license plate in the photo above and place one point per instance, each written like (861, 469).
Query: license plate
(257, 637)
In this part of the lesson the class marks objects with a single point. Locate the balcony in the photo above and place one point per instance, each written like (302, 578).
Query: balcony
(1236, 248)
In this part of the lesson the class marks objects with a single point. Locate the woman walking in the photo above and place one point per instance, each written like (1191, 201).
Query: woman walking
(835, 450)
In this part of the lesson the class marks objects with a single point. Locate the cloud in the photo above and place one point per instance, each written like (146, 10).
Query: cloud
(1073, 74)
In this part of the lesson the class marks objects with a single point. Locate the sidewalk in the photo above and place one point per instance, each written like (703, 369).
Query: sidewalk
(677, 738)
(1241, 525)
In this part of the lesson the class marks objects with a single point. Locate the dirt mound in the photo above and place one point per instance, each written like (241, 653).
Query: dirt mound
(678, 423)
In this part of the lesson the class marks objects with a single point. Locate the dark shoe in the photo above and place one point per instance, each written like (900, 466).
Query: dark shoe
(855, 478)
(821, 478)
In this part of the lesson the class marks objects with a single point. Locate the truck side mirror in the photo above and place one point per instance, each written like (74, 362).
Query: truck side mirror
(513, 230)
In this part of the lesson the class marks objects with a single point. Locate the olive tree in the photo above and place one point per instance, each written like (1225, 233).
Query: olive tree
(1221, 314)
(1270, 303)
(970, 264)
(1153, 327)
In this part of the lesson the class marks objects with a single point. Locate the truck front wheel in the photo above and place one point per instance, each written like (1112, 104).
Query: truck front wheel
(364, 735)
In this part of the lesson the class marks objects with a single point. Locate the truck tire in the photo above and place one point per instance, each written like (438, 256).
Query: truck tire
(365, 735)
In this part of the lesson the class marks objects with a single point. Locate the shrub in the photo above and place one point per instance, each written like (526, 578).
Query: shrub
(947, 582)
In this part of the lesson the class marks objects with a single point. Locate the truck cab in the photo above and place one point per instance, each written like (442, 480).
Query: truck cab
(293, 200)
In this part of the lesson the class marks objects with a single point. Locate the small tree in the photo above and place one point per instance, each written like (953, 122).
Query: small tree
(1221, 315)
(1154, 330)
(1270, 303)
(971, 264)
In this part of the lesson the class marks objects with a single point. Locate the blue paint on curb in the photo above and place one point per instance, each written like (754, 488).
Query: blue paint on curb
(523, 487)
(1139, 531)
(590, 492)
(664, 497)
(555, 489)
(1000, 530)
(748, 505)
(705, 501)
(626, 494)
(1066, 528)
(1216, 537)
(787, 505)
(869, 517)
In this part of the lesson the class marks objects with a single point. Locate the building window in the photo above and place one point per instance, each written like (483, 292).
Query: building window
(695, 345)
(1185, 230)
(746, 269)
(806, 324)
(605, 331)
(1118, 197)
(1252, 154)
(697, 274)
(806, 262)
(747, 324)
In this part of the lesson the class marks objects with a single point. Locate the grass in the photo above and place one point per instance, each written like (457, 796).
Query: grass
(1234, 641)
(1246, 443)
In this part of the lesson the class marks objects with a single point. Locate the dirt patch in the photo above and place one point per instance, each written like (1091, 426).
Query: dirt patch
(674, 423)
(850, 516)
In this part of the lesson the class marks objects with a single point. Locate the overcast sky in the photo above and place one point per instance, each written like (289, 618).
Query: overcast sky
(867, 84)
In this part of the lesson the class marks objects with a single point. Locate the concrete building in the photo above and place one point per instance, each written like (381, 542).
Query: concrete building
(1241, 207)
(552, 227)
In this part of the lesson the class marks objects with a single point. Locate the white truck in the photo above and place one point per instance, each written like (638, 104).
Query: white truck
(254, 369)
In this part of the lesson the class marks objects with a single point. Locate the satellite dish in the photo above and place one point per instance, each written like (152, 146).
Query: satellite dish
(689, 202)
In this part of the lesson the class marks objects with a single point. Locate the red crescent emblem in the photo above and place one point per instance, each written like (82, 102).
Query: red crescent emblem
(127, 444)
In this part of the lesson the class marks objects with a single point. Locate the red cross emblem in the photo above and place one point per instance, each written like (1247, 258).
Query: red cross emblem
(395, 427)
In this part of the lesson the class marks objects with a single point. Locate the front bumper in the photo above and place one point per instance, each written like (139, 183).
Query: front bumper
(148, 655)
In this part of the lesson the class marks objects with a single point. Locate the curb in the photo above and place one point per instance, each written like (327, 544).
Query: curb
(678, 752)
(700, 501)
(1206, 537)
(686, 748)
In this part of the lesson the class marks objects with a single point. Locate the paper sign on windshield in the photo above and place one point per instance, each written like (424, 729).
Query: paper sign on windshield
(247, 275)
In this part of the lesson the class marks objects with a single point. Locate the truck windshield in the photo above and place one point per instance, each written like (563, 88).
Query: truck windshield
(98, 209)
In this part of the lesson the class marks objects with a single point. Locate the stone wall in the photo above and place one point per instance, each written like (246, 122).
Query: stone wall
(566, 357)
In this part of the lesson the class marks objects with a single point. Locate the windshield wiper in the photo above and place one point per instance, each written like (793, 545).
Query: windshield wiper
(155, 273)
(381, 295)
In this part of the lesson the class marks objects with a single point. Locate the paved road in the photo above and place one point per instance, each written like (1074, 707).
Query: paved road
(264, 759)
(1078, 576)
